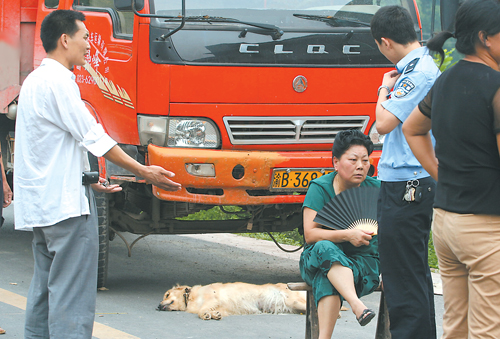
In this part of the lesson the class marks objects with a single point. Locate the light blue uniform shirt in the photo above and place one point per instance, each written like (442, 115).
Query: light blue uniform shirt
(418, 73)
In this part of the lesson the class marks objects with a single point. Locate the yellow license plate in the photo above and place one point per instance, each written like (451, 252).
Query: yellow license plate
(296, 179)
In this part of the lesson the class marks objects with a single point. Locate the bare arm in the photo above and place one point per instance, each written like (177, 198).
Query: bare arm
(498, 143)
(7, 192)
(386, 121)
(155, 175)
(313, 232)
(496, 112)
(416, 130)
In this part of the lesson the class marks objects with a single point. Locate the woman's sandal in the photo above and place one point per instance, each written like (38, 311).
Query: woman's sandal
(366, 317)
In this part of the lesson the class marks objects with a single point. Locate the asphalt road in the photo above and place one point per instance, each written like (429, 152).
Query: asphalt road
(127, 309)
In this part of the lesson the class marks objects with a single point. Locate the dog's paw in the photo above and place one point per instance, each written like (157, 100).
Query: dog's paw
(216, 315)
(206, 316)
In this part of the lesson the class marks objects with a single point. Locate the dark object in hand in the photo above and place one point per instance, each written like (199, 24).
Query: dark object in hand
(89, 178)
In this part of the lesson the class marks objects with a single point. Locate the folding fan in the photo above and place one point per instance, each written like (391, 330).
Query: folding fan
(352, 208)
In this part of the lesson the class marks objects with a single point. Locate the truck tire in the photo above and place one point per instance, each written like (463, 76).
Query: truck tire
(103, 225)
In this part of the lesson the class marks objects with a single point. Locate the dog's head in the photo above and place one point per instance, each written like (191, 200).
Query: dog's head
(175, 299)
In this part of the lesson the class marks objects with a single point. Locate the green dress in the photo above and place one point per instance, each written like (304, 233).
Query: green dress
(317, 259)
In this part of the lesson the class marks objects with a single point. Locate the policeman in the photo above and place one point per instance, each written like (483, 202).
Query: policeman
(407, 190)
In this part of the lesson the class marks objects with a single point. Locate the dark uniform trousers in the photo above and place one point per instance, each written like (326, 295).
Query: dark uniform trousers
(403, 246)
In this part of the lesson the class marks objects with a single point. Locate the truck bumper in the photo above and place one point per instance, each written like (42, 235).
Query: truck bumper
(253, 188)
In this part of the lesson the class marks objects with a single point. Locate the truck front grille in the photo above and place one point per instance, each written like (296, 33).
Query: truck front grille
(290, 130)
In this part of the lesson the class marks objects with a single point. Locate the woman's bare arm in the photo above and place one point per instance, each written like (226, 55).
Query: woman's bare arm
(416, 130)
(496, 112)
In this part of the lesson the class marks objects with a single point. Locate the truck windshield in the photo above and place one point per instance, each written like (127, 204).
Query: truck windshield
(288, 15)
(269, 32)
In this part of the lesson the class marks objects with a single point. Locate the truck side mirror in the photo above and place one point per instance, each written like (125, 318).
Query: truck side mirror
(126, 5)
(448, 10)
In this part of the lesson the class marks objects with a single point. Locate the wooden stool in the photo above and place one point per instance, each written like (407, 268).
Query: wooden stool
(312, 326)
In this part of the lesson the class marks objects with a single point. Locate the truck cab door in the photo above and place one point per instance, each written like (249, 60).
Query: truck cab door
(108, 80)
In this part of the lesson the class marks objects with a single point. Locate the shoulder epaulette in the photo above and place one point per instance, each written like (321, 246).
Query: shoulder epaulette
(411, 66)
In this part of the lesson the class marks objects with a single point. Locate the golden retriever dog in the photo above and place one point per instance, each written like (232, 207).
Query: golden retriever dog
(218, 300)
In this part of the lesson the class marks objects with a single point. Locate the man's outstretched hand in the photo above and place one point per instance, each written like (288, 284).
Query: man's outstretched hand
(155, 175)
(159, 177)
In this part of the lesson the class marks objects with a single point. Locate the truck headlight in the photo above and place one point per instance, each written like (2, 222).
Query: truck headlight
(377, 139)
(177, 132)
(192, 132)
(152, 129)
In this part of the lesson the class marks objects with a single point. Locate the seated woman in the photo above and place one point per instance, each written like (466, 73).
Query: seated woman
(340, 264)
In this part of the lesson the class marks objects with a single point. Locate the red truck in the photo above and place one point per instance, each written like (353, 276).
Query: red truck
(241, 99)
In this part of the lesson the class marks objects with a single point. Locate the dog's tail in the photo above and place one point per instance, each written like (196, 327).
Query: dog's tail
(275, 302)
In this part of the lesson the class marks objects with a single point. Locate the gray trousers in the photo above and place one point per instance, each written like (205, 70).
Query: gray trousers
(62, 294)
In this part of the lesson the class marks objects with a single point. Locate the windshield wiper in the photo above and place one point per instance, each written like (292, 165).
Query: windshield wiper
(332, 20)
(274, 31)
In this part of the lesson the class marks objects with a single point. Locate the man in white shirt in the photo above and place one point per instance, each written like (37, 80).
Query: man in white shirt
(54, 131)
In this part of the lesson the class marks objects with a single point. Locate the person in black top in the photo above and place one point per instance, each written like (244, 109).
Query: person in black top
(463, 110)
